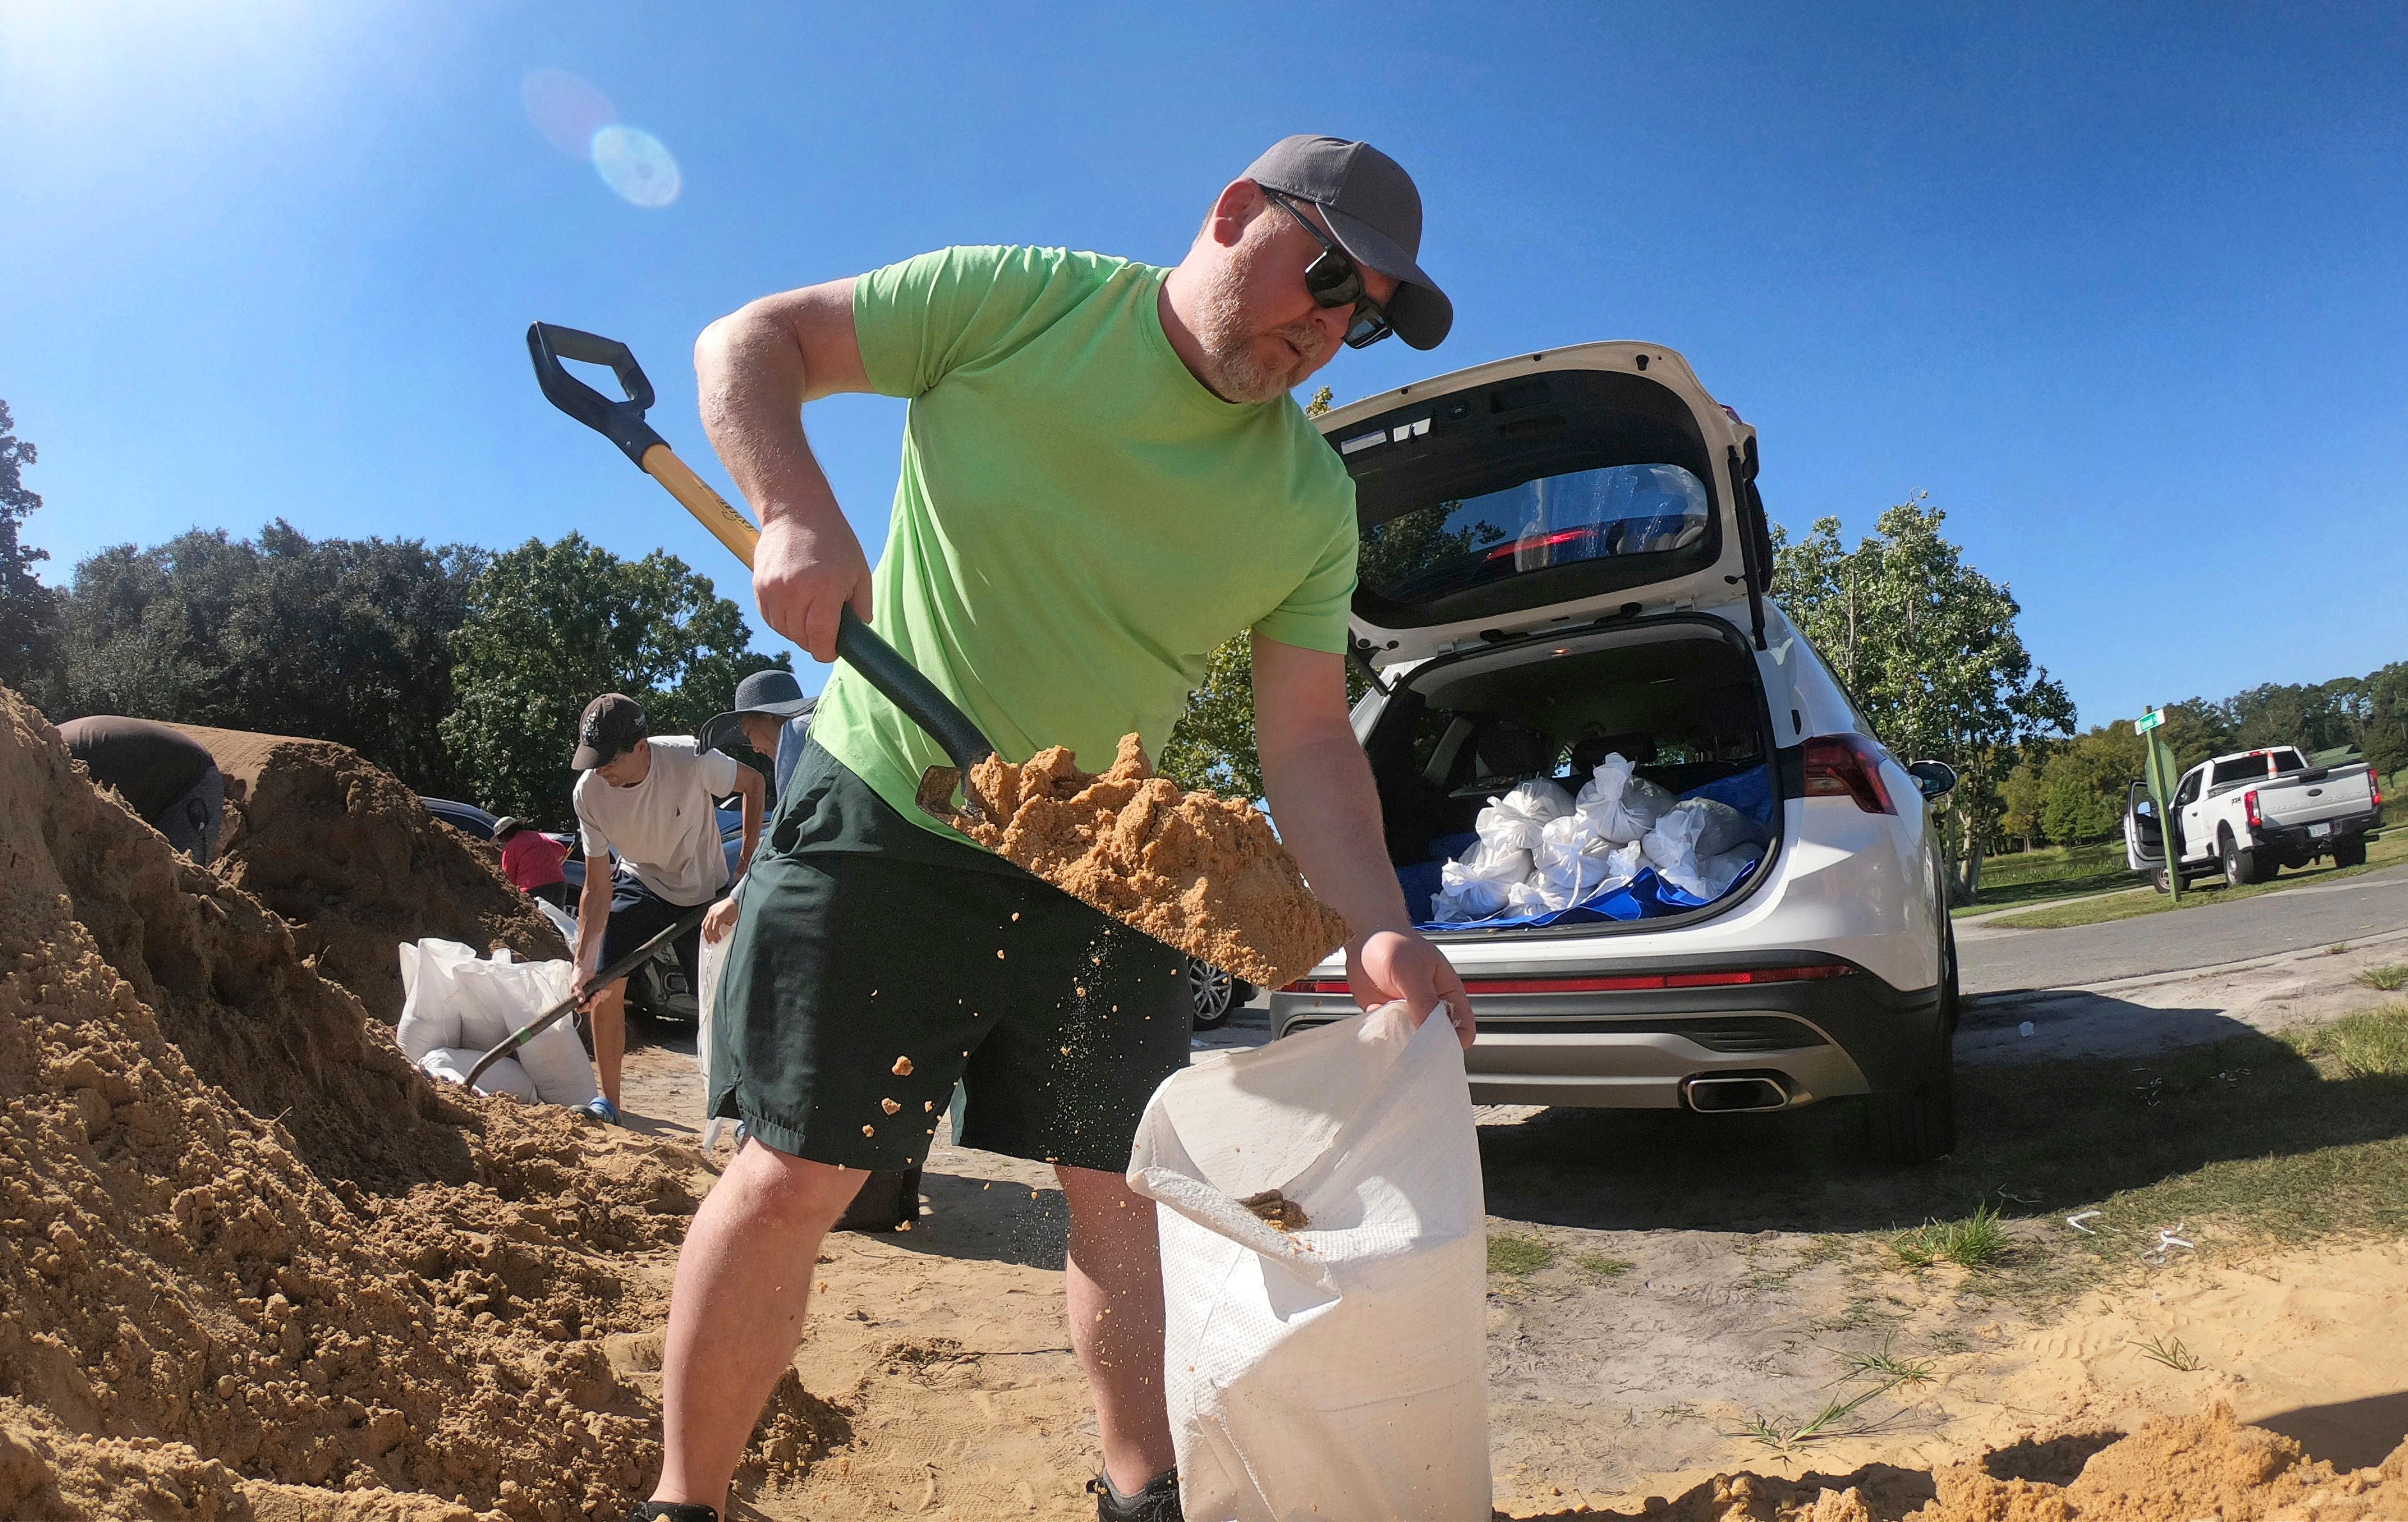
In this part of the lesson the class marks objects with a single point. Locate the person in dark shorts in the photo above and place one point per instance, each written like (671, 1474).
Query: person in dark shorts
(164, 775)
(1104, 477)
(650, 800)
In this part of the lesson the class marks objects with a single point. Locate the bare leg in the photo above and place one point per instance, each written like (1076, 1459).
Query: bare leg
(1115, 1306)
(609, 1013)
(736, 1315)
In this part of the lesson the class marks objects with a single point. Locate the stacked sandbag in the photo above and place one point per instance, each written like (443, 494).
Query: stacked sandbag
(1542, 850)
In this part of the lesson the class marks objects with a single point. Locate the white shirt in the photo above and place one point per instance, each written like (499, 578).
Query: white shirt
(665, 827)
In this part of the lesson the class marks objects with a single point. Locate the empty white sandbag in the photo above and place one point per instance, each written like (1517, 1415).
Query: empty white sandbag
(1514, 821)
(1619, 805)
(452, 999)
(451, 1064)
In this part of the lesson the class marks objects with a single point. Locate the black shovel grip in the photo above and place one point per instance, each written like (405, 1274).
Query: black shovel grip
(621, 421)
(902, 686)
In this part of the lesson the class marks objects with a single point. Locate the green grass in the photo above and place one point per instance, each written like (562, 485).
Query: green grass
(2169, 1352)
(1885, 1365)
(2032, 877)
(1840, 1416)
(2390, 979)
(2371, 1043)
(1595, 1264)
(2389, 851)
(1975, 1243)
(1520, 1257)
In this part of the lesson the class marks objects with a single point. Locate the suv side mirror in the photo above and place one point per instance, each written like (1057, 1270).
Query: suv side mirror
(1937, 779)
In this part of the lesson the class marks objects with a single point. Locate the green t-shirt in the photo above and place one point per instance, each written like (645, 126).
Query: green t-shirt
(1079, 520)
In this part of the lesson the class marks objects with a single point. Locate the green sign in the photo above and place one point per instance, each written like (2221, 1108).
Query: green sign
(2149, 720)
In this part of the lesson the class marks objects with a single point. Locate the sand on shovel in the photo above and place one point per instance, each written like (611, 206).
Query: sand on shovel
(1197, 871)
(347, 853)
(252, 1264)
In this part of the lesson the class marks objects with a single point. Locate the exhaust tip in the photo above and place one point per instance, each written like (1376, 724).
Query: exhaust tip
(1718, 1095)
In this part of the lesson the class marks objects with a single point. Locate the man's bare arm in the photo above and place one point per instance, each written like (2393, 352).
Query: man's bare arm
(756, 369)
(1329, 813)
(593, 918)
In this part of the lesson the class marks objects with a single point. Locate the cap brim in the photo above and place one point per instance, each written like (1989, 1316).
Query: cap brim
(1419, 311)
(589, 756)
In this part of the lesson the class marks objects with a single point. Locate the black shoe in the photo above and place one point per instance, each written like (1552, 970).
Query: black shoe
(1157, 1502)
(672, 1510)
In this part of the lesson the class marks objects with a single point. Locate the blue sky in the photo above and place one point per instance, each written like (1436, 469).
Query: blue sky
(2120, 287)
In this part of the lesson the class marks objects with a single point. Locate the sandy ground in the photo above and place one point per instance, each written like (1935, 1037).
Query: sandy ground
(947, 1343)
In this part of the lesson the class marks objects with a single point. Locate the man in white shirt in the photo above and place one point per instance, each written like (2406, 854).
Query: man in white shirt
(651, 801)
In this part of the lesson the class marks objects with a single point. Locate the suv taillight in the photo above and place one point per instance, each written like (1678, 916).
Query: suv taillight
(1847, 766)
(2249, 803)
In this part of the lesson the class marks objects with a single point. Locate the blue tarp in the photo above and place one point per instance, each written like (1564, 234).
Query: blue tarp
(1645, 897)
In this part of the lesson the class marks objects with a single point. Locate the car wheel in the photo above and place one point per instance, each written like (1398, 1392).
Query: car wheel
(2350, 853)
(1917, 1125)
(1213, 992)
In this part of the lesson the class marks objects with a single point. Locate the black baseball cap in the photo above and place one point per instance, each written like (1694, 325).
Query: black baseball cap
(771, 692)
(1374, 211)
(612, 724)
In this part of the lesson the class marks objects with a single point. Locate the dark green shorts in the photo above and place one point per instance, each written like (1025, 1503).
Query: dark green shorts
(865, 939)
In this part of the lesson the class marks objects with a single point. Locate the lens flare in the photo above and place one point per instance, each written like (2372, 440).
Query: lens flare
(568, 110)
(633, 163)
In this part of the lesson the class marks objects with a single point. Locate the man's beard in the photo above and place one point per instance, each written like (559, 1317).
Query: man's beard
(1225, 332)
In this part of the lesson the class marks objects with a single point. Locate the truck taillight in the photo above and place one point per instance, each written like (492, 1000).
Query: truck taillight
(2249, 803)
(1847, 766)
(2375, 785)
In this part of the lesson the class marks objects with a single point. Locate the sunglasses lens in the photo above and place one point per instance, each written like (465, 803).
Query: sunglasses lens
(1369, 327)
(1333, 280)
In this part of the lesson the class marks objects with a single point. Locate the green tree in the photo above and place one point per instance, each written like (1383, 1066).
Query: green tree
(2019, 803)
(552, 625)
(29, 611)
(341, 639)
(2084, 784)
(2387, 723)
(1927, 647)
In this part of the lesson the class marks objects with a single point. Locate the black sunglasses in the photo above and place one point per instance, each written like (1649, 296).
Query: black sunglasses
(1334, 279)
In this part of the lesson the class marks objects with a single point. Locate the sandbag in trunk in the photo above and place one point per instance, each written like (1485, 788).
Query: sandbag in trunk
(1330, 1366)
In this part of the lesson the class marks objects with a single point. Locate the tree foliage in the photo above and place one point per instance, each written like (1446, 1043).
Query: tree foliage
(29, 611)
(549, 628)
(1927, 647)
(341, 639)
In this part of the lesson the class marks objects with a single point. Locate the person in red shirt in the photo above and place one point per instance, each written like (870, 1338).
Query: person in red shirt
(531, 859)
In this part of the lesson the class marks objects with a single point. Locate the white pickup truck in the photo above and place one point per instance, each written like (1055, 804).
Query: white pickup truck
(2252, 814)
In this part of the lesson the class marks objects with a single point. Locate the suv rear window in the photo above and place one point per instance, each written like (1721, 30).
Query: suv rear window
(1583, 515)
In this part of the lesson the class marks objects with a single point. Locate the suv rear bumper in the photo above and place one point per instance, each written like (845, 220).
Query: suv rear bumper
(1818, 1037)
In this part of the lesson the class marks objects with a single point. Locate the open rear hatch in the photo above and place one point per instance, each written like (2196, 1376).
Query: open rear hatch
(1547, 493)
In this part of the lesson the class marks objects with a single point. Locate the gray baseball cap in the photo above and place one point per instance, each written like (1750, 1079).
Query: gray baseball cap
(1376, 215)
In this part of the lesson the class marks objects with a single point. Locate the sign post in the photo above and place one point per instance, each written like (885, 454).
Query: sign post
(2158, 768)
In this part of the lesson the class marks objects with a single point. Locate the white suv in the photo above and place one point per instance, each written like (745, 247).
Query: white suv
(1565, 556)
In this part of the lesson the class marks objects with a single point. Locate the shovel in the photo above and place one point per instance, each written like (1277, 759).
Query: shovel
(602, 979)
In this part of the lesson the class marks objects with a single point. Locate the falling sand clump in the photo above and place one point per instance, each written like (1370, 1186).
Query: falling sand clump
(351, 858)
(1203, 873)
(2174, 1469)
(252, 1263)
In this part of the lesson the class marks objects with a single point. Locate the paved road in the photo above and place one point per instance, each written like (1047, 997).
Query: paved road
(1997, 960)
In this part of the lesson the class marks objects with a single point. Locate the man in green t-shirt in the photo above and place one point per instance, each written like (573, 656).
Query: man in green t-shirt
(1104, 477)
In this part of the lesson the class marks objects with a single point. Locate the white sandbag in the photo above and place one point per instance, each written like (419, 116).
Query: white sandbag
(451, 1065)
(453, 998)
(1512, 822)
(1335, 1372)
(706, 1003)
(1620, 805)
(1710, 877)
(1524, 898)
(1474, 886)
(1671, 846)
(1723, 827)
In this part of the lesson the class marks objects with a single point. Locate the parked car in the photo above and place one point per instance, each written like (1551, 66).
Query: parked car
(658, 987)
(1565, 556)
(2252, 814)
(1216, 994)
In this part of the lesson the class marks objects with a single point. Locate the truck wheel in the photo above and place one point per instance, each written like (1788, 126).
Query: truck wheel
(2350, 853)
(2158, 881)
(2240, 865)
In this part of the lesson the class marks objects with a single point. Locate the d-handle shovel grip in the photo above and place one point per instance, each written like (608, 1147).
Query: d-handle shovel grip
(623, 422)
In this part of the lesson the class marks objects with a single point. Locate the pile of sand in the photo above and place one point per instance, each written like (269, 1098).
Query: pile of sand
(2171, 1471)
(1203, 873)
(342, 850)
(252, 1263)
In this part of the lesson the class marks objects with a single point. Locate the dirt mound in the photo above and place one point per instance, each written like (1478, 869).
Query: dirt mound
(2171, 1471)
(249, 1258)
(347, 853)
(1200, 872)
